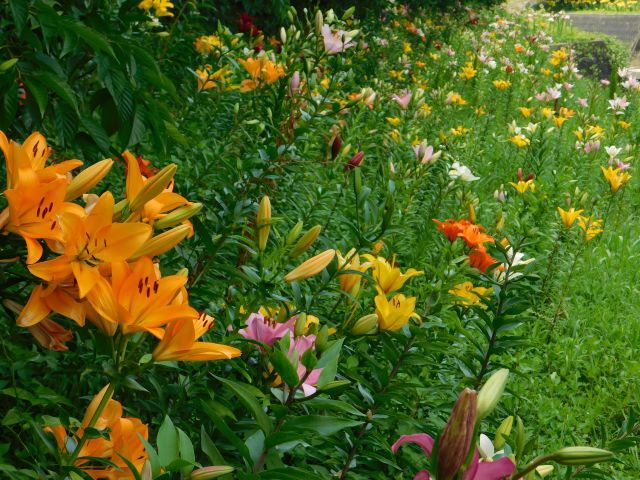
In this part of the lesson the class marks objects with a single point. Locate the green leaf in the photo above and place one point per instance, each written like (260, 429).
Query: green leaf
(221, 425)
(168, 448)
(154, 460)
(329, 363)
(321, 424)
(285, 368)
(186, 452)
(97, 133)
(209, 448)
(330, 404)
(91, 37)
(248, 399)
(289, 473)
(59, 87)
(20, 12)
(39, 94)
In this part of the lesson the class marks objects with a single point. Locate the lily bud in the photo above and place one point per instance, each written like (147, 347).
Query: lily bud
(490, 393)
(294, 84)
(311, 267)
(283, 35)
(354, 161)
(348, 13)
(206, 473)
(544, 470)
(457, 437)
(581, 455)
(504, 430)
(305, 241)
(119, 208)
(319, 21)
(471, 213)
(294, 232)
(178, 216)
(519, 176)
(264, 222)
(367, 325)
(322, 339)
(153, 187)
(163, 243)
(300, 325)
(87, 179)
(521, 438)
(335, 147)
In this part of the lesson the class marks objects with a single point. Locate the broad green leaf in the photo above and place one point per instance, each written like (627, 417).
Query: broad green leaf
(168, 447)
(248, 399)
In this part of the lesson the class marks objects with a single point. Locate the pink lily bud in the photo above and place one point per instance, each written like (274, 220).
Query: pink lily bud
(457, 438)
(294, 84)
(354, 162)
(335, 147)
(519, 174)
(531, 176)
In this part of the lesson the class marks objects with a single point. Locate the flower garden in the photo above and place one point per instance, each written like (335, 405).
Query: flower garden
(377, 243)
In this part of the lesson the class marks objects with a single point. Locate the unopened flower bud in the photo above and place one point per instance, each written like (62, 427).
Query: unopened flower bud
(335, 146)
(581, 455)
(87, 179)
(471, 213)
(264, 222)
(300, 325)
(294, 232)
(207, 473)
(322, 339)
(544, 470)
(354, 161)
(153, 187)
(294, 84)
(319, 21)
(178, 216)
(305, 241)
(520, 174)
(283, 35)
(457, 437)
(348, 13)
(311, 267)
(163, 243)
(490, 393)
(503, 431)
(367, 325)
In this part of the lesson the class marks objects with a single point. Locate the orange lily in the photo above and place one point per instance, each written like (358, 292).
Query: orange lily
(122, 440)
(26, 162)
(138, 299)
(179, 343)
(33, 212)
(90, 241)
(474, 237)
(158, 206)
(45, 300)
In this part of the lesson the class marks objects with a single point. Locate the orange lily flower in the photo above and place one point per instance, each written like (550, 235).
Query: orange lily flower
(480, 259)
(90, 241)
(33, 212)
(26, 162)
(122, 440)
(452, 228)
(474, 237)
(157, 207)
(179, 342)
(45, 300)
(138, 299)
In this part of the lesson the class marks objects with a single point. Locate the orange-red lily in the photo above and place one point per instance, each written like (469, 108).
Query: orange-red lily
(89, 242)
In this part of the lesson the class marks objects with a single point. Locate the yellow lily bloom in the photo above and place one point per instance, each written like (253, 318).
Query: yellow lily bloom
(179, 343)
(616, 178)
(522, 186)
(350, 282)
(90, 241)
(395, 313)
(470, 295)
(388, 277)
(570, 216)
(590, 226)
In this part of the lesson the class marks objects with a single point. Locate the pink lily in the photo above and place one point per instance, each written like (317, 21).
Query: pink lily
(498, 470)
(403, 99)
(336, 42)
(265, 330)
(300, 345)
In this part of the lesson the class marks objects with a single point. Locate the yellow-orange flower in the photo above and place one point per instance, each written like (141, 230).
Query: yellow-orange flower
(615, 177)
(569, 216)
(395, 313)
(470, 295)
(388, 277)
(262, 71)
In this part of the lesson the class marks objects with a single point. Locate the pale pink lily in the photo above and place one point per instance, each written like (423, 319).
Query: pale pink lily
(336, 42)
(265, 330)
(497, 470)
(403, 99)
(425, 154)
(300, 345)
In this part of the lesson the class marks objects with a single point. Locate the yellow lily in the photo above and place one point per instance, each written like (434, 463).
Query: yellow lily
(350, 282)
(179, 343)
(389, 278)
(89, 242)
(616, 178)
(470, 295)
(395, 313)
(569, 217)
